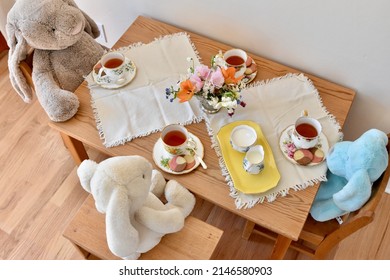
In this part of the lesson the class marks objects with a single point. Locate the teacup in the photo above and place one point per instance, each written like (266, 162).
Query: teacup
(236, 58)
(242, 138)
(176, 140)
(306, 132)
(112, 69)
(253, 161)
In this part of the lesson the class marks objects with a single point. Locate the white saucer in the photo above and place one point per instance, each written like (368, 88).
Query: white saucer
(285, 142)
(161, 156)
(249, 78)
(130, 70)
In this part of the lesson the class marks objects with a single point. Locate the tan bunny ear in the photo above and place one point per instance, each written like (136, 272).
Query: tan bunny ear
(90, 25)
(17, 52)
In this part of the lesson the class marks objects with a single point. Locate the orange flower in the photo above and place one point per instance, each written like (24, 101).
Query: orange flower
(228, 74)
(186, 91)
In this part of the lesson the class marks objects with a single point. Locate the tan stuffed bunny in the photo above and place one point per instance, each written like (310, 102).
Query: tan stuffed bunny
(65, 51)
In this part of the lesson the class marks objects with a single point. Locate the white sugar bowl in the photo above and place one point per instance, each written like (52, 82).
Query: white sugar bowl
(242, 138)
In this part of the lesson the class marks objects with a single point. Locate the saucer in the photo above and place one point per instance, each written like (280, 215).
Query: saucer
(130, 70)
(161, 156)
(249, 78)
(288, 148)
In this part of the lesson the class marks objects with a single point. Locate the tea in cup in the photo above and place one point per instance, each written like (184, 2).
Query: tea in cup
(242, 138)
(112, 69)
(236, 58)
(175, 139)
(253, 161)
(306, 132)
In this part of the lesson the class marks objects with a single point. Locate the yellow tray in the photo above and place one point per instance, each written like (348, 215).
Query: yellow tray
(243, 181)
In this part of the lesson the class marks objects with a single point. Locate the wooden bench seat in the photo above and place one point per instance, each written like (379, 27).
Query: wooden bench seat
(87, 230)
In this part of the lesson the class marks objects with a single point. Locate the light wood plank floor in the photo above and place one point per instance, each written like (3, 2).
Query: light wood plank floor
(38, 196)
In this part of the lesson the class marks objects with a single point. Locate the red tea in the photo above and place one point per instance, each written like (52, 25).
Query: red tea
(235, 60)
(306, 130)
(174, 138)
(113, 63)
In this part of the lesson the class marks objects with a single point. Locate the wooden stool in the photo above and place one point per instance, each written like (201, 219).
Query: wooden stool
(196, 241)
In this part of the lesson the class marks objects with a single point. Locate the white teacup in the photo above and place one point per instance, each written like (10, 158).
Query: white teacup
(112, 69)
(242, 138)
(236, 58)
(253, 161)
(306, 132)
(176, 139)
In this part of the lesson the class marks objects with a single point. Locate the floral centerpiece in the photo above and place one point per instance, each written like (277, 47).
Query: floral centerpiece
(216, 86)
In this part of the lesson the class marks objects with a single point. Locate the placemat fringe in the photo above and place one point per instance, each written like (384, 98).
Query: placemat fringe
(102, 100)
(303, 78)
(244, 201)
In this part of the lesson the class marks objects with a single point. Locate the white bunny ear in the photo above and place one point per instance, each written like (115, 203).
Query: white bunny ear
(122, 237)
(17, 52)
(85, 172)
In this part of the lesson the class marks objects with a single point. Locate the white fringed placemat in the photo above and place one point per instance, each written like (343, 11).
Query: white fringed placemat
(274, 105)
(141, 108)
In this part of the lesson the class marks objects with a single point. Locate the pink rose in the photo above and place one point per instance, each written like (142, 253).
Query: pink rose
(202, 71)
(197, 82)
(217, 78)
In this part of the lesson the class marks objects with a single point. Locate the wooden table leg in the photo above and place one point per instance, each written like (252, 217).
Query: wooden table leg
(75, 147)
(249, 226)
(280, 248)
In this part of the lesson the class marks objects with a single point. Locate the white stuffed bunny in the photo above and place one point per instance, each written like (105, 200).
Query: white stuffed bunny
(65, 51)
(125, 188)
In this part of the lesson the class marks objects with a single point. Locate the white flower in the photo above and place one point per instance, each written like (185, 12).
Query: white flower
(208, 87)
(227, 102)
(219, 61)
(189, 59)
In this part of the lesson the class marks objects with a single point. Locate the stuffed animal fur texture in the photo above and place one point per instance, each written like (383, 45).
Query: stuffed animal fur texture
(128, 191)
(65, 51)
(353, 167)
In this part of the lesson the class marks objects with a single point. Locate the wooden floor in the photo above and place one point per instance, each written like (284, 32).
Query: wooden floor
(35, 205)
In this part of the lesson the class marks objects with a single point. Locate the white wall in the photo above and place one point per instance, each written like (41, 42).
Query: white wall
(347, 42)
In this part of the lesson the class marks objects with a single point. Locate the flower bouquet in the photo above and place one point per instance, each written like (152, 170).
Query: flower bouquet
(217, 85)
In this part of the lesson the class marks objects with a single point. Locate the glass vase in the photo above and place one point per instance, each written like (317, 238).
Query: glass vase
(206, 107)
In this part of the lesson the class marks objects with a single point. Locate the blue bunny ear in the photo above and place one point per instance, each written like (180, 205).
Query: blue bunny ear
(355, 193)
(325, 210)
(332, 185)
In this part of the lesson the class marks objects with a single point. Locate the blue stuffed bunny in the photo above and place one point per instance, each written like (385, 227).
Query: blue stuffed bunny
(352, 168)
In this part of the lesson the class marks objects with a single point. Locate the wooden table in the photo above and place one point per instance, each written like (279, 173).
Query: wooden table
(285, 216)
